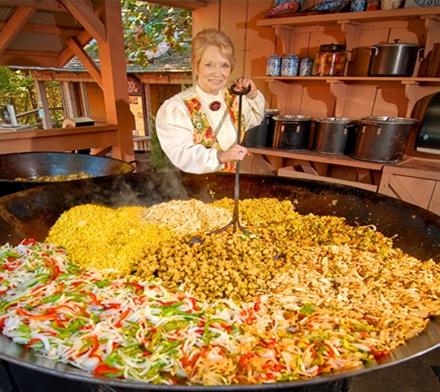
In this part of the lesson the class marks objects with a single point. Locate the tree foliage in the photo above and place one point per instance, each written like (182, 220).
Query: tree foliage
(17, 89)
(150, 28)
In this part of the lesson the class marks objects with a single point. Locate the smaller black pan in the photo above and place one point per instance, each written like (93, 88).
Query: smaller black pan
(31, 165)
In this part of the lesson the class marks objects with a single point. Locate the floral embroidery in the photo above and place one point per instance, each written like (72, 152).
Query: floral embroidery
(203, 133)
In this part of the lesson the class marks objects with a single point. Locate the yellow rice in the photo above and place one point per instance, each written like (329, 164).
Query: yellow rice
(106, 238)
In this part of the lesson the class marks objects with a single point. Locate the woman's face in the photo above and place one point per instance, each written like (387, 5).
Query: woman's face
(213, 70)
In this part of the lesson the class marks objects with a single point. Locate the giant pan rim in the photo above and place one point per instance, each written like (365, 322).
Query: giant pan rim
(31, 212)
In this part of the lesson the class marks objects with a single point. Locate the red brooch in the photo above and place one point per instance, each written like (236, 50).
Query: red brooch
(214, 106)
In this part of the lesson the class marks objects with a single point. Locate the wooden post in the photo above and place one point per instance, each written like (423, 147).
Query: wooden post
(84, 99)
(69, 100)
(42, 101)
(114, 81)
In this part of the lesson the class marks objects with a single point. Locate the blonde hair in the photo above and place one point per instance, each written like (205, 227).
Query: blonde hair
(212, 37)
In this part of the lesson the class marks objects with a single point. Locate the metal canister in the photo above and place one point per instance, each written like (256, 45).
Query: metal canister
(273, 67)
(306, 66)
(289, 65)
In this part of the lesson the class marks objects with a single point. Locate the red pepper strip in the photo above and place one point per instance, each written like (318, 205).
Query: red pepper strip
(3, 291)
(378, 354)
(330, 351)
(187, 361)
(2, 323)
(257, 306)
(47, 316)
(29, 241)
(166, 303)
(245, 358)
(105, 370)
(118, 323)
(11, 266)
(95, 345)
(137, 287)
(31, 342)
(94, 298)
(112, 306)
(268, 343)
(194, 304)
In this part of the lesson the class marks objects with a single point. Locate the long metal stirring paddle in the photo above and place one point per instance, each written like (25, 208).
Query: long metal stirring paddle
(235, 222)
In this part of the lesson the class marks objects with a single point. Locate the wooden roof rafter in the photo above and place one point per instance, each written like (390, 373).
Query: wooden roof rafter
(83, 12)
(85, 59)
(15, 23)
(43, 5)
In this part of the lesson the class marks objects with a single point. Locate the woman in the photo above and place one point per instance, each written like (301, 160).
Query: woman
(197, 128)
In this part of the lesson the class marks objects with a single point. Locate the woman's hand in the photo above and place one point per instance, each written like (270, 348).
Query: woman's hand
(242, 83)
(234, 153)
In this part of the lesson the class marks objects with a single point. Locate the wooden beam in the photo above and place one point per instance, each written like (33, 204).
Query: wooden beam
(14, 25)
(84, 13)
(47, 29)
(43, 5)
(67, 54)
(83, 38)
(42, 101)
(27, 57)
(187, 4)
(114, 82)
(88, 63)
(69, 102)
(84, 99)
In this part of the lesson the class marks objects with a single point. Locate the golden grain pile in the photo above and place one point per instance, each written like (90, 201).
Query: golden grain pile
(106, 238)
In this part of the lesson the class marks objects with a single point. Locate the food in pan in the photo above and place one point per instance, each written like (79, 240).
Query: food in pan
(310, 295)
(56, 178)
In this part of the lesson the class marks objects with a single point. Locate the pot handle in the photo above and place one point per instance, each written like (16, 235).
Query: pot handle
(421, 54)
(374, 50)
(365, 123)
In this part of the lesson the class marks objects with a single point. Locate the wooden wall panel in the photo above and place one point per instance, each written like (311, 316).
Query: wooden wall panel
(161, 92)
(317, 101)
(96, 102)
(360, 100)
(252, 46)
(390, 101)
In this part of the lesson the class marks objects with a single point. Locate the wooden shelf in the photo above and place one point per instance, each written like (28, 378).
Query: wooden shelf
(59, 139)
(341, 17)
(348, 79)
(342, 160)
(288, 172)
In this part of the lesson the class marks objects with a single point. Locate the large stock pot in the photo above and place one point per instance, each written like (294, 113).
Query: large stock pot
(30, 213)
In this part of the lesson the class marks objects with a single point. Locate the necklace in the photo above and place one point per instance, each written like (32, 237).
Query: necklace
(214, 106)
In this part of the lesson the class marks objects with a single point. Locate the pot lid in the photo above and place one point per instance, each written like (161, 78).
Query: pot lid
(271, 111)
(390, 120)
(398, 43)
(331, 48)
(292, 118)
(335, 120)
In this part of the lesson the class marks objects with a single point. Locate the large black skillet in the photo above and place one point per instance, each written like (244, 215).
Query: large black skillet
(30, 213)
(31, 165)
